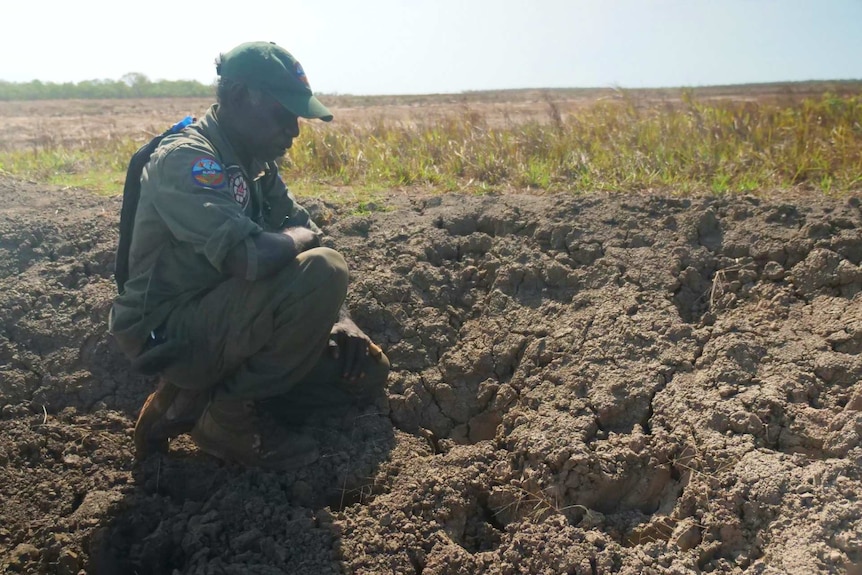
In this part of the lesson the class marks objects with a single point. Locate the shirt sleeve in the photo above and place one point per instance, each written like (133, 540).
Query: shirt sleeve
(189, 191)
(284, 212)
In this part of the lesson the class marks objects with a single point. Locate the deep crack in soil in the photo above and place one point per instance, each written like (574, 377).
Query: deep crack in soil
(588, 384)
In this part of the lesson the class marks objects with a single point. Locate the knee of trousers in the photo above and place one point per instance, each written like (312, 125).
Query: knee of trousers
(326, 270)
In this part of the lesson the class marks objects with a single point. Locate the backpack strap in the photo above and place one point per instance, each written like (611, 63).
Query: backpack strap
(131, 196)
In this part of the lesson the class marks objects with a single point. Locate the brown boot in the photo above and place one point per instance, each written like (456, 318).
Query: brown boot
(168, 412)
(234, 430)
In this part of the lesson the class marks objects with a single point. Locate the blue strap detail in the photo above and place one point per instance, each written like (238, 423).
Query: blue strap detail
(181, 124)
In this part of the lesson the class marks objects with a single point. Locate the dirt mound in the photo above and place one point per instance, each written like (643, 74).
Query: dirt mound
(580, 385)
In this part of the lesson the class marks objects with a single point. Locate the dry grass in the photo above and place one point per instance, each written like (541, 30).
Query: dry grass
(723, 146)
(623, 143)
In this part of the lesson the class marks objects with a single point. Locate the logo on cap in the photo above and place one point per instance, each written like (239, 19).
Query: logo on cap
(300, 74)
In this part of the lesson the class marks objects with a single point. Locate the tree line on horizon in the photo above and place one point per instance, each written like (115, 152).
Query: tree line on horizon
(133, 85)
(137, 85)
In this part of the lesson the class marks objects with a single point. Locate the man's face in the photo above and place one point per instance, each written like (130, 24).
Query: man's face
(266, 127)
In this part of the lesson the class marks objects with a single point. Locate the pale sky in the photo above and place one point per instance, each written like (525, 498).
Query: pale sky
(428, 46)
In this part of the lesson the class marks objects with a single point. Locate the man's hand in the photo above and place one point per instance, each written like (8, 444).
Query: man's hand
(303, 238)
(351, 346)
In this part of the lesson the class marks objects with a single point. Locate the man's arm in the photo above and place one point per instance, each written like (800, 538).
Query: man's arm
(265, 254)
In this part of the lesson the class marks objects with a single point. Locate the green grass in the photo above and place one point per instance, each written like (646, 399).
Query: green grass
(688, 146)
(97, 165)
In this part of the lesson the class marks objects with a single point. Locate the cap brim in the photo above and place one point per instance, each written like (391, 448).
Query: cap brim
(305, 106)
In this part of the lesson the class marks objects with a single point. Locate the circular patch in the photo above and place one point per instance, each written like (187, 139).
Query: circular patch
(239, 187)
(207, 173)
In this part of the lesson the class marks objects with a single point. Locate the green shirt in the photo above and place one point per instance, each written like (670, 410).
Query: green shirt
(197, 203)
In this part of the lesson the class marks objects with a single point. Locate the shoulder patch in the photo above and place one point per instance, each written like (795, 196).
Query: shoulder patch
(207, 173)
(238, 185)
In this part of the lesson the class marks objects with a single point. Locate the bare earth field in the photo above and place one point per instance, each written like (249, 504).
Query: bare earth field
(582, 384)
(41, 123)
(71, 122)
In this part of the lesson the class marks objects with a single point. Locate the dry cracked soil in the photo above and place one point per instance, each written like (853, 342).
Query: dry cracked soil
(581, 384)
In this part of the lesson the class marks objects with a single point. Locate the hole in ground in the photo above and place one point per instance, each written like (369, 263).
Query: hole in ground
(481, 529)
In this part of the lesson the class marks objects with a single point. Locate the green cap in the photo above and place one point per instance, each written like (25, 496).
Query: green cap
(268, 67)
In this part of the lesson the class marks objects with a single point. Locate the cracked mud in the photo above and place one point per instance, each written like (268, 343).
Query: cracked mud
(581, 384)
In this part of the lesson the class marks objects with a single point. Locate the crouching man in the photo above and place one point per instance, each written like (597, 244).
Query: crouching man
(230, 298)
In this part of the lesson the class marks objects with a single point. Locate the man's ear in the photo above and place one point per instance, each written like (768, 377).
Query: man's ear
(237, 96)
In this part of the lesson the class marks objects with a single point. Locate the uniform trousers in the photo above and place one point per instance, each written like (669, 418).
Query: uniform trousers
(256, 340)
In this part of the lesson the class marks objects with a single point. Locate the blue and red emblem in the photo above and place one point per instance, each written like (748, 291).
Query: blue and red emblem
(207, 173)
(300, 74)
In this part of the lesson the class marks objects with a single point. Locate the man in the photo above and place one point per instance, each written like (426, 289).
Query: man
(230, 297)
